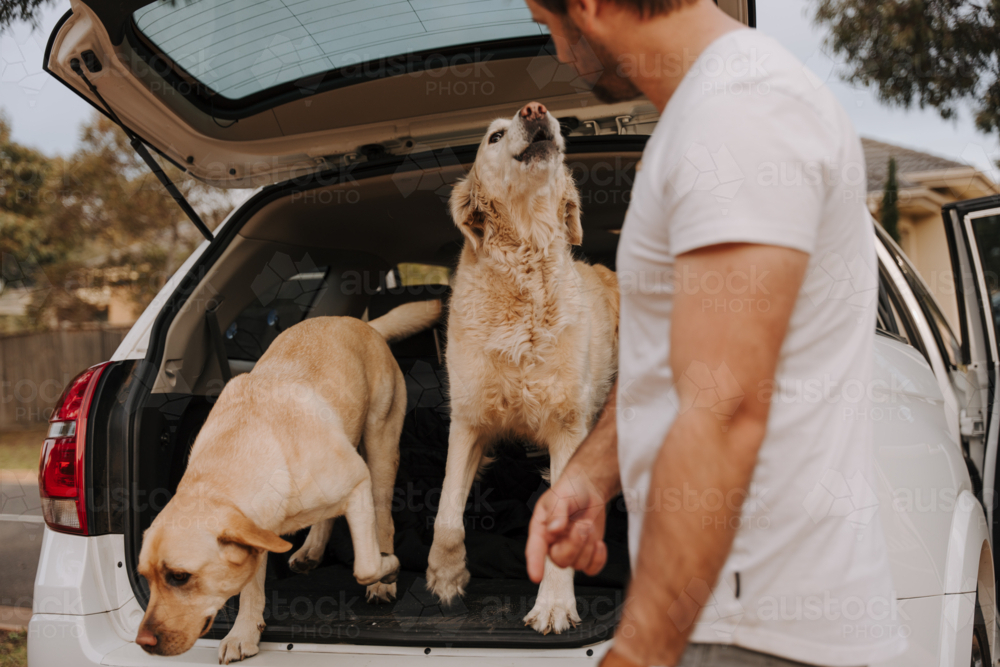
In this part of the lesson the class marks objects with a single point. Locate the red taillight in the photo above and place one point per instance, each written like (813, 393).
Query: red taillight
(60, 468)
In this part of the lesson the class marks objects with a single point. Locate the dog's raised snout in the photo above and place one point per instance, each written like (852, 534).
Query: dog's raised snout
(533, 111)
(146, 638)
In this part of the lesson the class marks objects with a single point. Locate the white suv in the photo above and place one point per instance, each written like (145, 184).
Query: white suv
(356, 117)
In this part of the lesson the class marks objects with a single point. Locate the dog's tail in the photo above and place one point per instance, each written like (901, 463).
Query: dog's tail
(406, 320)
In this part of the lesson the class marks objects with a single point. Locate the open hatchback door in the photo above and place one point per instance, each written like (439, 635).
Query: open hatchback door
(973, 230)
(244, 94)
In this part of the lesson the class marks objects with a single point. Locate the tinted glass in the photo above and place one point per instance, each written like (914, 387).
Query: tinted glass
(987, 232)
(951, 351)
(279, 305)
(240, 47)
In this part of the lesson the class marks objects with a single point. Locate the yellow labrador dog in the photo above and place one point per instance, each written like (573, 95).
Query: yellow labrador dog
(278, 453)
(532, 334)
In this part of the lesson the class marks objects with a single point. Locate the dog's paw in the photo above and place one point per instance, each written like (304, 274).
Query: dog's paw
(447, 575)
(550, 615)
(243, 641)
(301, 563)
(391, 566)
(380, 592)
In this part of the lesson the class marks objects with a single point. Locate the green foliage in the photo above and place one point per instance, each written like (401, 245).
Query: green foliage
(13, 649)
(889, 215)
(21, 10)
(73, 229)
(424, 274)
(934, 53)
(23, 174)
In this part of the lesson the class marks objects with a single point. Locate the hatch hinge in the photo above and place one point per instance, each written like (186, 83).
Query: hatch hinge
(971, 423)
(139, 147)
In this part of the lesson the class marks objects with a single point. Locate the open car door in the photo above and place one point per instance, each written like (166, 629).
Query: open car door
(248, 93)
(973, 230)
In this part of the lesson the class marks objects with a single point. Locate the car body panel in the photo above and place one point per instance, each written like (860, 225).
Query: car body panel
(136, 341)
(320, 129)
(919, 468)
(80, 575)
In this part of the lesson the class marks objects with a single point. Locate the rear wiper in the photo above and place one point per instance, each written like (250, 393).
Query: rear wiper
(140, 148)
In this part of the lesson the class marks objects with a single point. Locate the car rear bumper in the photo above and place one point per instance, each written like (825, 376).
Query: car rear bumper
(86, 614)
(55, 640)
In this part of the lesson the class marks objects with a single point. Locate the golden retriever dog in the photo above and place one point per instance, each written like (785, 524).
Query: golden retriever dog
(532, 334)
(278, 453)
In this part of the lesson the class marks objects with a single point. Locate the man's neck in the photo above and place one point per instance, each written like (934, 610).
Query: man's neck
(661, 50)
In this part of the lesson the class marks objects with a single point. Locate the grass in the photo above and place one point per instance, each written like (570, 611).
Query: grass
(13, 649)
(19, 449)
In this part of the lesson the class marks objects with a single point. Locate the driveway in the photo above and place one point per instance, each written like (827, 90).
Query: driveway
(20, 539)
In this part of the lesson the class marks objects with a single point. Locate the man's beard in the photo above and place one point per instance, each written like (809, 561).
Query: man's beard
(596, 60)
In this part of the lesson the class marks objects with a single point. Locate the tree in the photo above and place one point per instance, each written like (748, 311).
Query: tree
(24, 246)
(934, 53)
(78, 228)
(889, 215)
(120, 228)
(21, 10)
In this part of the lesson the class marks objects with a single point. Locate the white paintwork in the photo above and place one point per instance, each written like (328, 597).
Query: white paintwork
(920, 469)
(938, 629)
(81, 641)
(80, 575)
(924, 329)
(968, 527)
(136, 341)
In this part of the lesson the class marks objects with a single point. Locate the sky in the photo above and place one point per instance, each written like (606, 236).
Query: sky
(47, 116)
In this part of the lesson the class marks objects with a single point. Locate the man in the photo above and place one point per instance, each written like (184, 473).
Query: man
(748, 201)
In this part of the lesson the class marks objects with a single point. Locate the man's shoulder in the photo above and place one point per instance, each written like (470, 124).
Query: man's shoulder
(746, 81)
(753, 66)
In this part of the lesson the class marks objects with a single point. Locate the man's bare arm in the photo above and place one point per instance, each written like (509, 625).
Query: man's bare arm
(682, 552)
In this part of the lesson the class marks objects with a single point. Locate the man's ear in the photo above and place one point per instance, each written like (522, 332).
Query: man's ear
(466, 210)
(240, 530)
(570, 211)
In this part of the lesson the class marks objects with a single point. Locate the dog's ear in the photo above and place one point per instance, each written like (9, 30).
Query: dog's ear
(241, 531)
(466, 210)
(570, 209)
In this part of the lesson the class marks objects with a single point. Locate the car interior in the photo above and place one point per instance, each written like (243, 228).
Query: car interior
(359, 249)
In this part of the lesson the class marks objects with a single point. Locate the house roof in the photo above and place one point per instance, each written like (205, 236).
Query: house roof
(908, 161)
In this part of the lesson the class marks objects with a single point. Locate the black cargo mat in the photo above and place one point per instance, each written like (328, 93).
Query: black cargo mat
(328, 605)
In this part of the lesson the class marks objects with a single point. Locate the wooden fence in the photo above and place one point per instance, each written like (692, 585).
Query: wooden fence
(35, 367)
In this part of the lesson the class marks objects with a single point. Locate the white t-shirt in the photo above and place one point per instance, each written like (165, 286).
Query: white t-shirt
(753, 148)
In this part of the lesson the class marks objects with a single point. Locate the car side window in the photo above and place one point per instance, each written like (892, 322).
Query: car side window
(279, 304)
(944, 337)
(886, 321)
(894, 319)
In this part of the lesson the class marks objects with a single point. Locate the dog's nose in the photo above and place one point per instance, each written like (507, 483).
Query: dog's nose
(533, 111)
(145, 638)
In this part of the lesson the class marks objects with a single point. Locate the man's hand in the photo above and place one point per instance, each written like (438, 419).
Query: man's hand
(568, 526)
(568, 522)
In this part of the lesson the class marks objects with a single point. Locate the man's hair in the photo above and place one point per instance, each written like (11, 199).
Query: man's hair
(645, 8)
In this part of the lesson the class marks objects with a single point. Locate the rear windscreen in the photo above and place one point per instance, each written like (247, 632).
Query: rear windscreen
(241, 47)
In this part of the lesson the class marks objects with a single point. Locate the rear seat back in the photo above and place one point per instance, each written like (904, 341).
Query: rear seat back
(429, 344)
